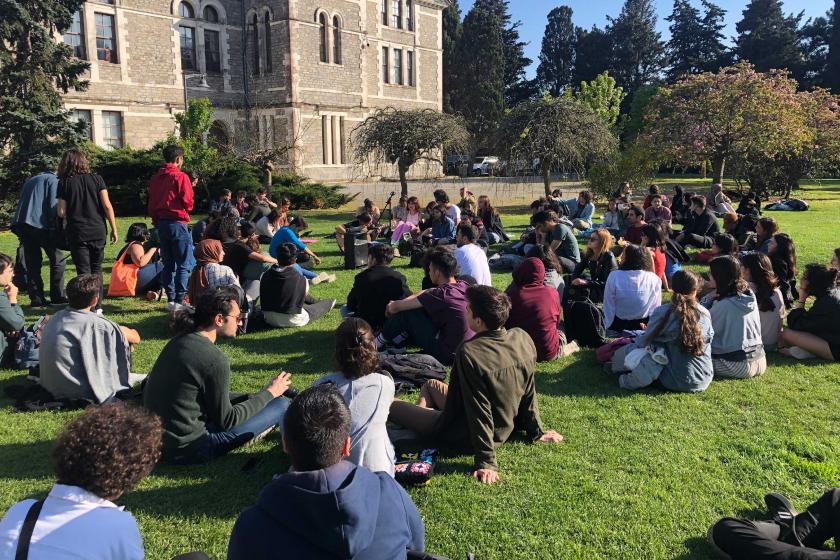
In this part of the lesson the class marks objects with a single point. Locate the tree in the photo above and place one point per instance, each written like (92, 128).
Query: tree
(403, 137)
(768, 39)
(516, 86)
(563, 134)
(696, 43)
(451, 36)
(832, 71)
(592, 53)
(638, 53)
(34, 128)
(557, 58)
(603, 97)
(815, 38)
(479, 95)
(200, 157)
(635, 120)
(736, 113)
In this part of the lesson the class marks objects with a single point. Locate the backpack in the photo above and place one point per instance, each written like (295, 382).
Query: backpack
(417, 252)
(585, 323)
(411, 371)
(27, 349)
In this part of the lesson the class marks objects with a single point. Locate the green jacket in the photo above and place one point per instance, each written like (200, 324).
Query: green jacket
(189, 388)
(491, 394)
(11, 319)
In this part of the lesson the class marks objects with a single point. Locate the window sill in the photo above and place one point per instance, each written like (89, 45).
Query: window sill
(400, 86)
(331, 64)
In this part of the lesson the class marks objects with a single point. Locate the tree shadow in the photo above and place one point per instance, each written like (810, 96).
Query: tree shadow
(581, 379)
(26, 461)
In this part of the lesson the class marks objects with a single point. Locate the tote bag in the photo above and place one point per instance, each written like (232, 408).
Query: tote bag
(123, 277)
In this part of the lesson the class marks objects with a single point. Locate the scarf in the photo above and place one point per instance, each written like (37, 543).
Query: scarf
(207, 252)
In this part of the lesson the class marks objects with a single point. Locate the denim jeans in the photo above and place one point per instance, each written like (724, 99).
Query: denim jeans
(219, 443)
(176, 250)
(308, 274)
(33, 241)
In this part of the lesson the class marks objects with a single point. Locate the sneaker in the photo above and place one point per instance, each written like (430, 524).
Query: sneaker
(173, 306)
(331, 278)
(59, 301)
(799, 353)
(320, 278)
(569, 348)
(660, 357)
(780, 509)
(37, 302)
(397, 253)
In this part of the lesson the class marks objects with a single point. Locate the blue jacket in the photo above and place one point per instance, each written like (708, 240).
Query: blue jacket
(585, 213)
(444, 229)
(38, 204)
(344, 511)
(285, 235)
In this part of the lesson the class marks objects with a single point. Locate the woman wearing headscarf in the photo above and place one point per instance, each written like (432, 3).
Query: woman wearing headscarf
(209, 273)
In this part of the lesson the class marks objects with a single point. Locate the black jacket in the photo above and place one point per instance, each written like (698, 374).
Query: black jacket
(786, 279)
(821, 319)
(493, 224)
(282, 290)
(596, 272)
(704, 225)
(372, 289)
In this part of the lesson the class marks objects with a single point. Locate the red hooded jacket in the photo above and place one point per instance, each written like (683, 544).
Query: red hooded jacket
(535, 308)
(170, 195)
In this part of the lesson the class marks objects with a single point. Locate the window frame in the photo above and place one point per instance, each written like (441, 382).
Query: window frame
(114, 58)
(409, 68)
(397, 14)
(409, 15)
(323, 38)
(80, 35)
(386, 66)
(255, 36)
(193, 49)
(398, 68)
(267, 41)
(211, 9)
(336, 40)
(106, 128)
(184, 6)
(74, 113)
(218, 51)
(384, 19)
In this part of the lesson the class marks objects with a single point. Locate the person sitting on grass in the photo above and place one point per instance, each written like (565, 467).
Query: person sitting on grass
(814, 333)
(582, 210)
(261, 206)
(434, 319)
(12, 319)
(492, 221)
(611, 220)
(785, 535)
(239, 253)
(657, 210)
(288, 234)
(99, 456)
(558, 237)
(758, 272)
(209, 272)
(632, 292)
(724, 244)
(553, 268)
(782, 253)
(679, 334)
(535, 308)
(835, 259)
(362, 224)
(737, 349)
(148, 262)
(472, 261)
(634, 221)
(326, 507)
(765, 229)
(368, 394)
(653, 192)
(703, 227)
(375, 286)
(467, 202)
(451, 210)
(284, 294)
(441, 230)
(590, 276)
(654, 239)
(267, 226)
(189, 386)
(491, 392)
(409, 222)
(83, 355)
(241, 203)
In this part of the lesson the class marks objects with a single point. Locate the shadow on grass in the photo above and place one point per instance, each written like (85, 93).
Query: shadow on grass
(25, 461)
(580, 379)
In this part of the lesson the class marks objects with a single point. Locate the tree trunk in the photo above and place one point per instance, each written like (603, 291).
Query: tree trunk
(403, 180)
(546, 173)
(718, 168)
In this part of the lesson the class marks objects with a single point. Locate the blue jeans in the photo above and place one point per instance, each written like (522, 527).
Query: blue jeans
(308, 274)
(220, 443)
(176, 250)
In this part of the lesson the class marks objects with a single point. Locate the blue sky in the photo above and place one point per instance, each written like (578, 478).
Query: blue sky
(533, 14)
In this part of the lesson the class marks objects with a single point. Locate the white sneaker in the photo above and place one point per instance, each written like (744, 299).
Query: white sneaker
(800, 353)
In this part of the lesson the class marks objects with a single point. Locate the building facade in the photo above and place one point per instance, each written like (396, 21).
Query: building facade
(280, 73)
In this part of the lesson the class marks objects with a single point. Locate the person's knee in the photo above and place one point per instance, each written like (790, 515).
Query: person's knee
(728, 533)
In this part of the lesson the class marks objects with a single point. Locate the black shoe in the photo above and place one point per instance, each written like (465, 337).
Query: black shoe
(780, 509)
(37, 302)
(59, 301)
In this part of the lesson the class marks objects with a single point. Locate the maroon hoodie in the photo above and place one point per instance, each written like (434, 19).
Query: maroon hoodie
(535, 308)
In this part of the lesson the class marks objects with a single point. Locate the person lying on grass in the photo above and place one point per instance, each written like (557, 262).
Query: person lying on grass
(491, 392)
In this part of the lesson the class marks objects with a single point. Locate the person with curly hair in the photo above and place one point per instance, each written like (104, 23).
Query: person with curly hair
(98, 457)
(368, 394)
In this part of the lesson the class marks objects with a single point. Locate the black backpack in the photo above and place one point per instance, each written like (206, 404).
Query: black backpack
(411, 371)
(585, 323)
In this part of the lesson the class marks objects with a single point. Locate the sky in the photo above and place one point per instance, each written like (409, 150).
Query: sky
(586, 13)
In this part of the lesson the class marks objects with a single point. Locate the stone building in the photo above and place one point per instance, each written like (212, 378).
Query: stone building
(299, 73)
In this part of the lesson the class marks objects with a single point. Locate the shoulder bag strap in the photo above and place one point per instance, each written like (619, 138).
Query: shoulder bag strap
(26, 530)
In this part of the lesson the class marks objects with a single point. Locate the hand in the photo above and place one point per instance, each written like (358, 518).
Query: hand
(196, 180)
(279, 384)
(12, 293)
(551, 437)
(486, 476)
(391, 309)
(317, 259)
(579, 282)
(114, 236)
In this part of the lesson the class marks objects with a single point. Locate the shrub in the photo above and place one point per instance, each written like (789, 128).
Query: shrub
(635, 164)
(304, 195)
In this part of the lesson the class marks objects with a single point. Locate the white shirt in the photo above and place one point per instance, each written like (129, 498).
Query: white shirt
(74, 524)
(472, 261)
(265, 228)
(455, 213)
(631, 294)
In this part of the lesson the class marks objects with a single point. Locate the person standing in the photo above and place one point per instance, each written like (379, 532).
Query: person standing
(170, 201)
(34, 224)
(83, 202)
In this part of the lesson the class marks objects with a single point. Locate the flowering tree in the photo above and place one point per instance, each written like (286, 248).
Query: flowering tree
(737, 113)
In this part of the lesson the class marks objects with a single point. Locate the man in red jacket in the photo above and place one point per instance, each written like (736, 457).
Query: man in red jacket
(170, 201)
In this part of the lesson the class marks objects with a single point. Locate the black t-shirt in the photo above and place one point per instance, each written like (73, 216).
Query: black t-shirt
(85, 214)
(236, 256)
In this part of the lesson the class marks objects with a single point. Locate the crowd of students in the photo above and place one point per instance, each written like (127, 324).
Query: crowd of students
(718, 327)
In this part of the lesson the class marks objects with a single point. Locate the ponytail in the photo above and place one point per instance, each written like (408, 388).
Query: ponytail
(685, 285)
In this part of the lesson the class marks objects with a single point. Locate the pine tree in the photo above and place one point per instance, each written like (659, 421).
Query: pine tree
(592, 54)
(479, 94)
(557, 58)
(832, 71)
(34, 128)
(638, 53)
(451, 35)
(816, 38)
(517, 87)
(768, 39)
(696, 43)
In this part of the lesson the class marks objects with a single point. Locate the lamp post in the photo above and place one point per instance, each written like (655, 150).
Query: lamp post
(202, 85)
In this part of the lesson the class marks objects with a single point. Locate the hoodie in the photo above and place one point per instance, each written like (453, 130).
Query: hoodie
(737, 326)
(170, 195)
(535, 308)
(343, 511)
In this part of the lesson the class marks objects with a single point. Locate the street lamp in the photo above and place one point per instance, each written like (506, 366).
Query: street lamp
(202, 85)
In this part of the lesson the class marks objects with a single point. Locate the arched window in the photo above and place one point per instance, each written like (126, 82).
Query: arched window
(211, 15)
(185, 10)
(336, 40)
(255, 37)
(267, 41)
(322, 22)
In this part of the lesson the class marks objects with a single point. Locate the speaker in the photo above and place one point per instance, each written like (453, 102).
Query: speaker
(356, 245)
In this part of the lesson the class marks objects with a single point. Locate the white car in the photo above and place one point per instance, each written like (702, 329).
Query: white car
(486, 165)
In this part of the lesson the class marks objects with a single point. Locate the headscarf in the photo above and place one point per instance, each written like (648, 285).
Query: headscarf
(208, 251)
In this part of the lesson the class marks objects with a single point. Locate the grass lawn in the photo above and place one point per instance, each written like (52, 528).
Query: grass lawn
(640, 476)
